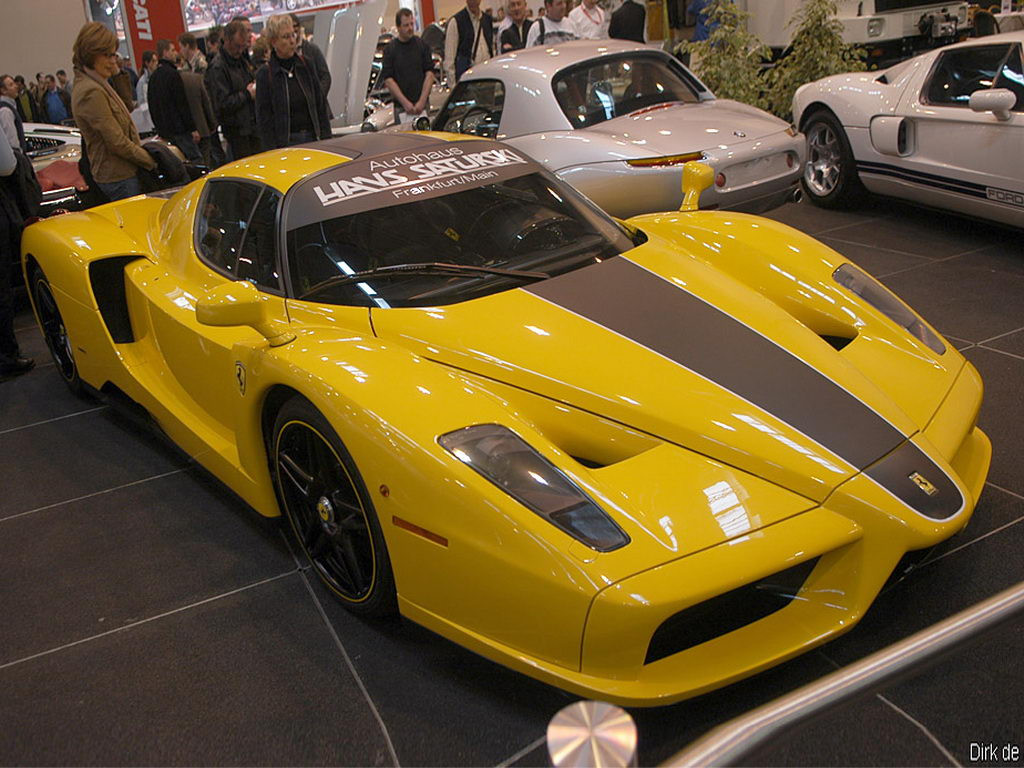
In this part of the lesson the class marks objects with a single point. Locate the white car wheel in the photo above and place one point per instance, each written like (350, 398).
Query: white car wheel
(830, 174)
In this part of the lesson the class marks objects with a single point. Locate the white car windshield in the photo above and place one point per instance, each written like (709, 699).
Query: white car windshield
(609, 87)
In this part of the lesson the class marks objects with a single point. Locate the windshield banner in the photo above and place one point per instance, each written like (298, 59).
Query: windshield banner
(403, 177)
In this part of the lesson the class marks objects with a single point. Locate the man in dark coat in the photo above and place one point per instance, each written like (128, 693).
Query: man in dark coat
(629, 22)
(314, 57)
(168, 104)
(231, 82)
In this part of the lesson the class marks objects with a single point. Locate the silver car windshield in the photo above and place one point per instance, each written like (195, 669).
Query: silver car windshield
(606, 88)
(444, 249)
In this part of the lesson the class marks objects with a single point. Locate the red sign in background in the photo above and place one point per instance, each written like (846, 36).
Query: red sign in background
(147, 21)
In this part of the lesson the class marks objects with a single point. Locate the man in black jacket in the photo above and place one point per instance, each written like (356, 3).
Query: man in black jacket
(513, 37)
(168, 105)
(629, 22)
(314, 57)
(231, 82)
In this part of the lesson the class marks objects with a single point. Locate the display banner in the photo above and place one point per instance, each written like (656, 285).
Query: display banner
(147, 21)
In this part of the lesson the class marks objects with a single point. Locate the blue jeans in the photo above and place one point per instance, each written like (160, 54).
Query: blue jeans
(119, 190)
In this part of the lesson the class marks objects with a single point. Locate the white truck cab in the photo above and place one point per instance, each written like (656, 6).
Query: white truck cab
(887, 28)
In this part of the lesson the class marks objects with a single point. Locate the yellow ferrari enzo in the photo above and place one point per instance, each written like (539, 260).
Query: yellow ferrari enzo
(635, 459)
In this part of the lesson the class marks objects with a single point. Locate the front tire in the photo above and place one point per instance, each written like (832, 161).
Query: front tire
(329, 510)
(55, 332)
(830, 177)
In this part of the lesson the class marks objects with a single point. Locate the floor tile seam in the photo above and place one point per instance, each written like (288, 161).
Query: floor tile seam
(927, 260)
(50, 421)
(522, 752)
(344, 653)
(981, 345)
(94, 494)
(1001, 335)
(352, 669)
(836, 228)
(973, 541)
(923, 728)
(1005, 490)
(147, 620)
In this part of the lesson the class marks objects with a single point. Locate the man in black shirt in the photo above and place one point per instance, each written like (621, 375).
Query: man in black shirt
(168, 105)
(408, 69)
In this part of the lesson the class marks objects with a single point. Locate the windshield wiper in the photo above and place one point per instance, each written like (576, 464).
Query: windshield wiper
(424, 268)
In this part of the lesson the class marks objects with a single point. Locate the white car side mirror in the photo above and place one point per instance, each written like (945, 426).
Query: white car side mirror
(998, 101)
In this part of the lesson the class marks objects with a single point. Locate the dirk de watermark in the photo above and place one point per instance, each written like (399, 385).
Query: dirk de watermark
(989, 752)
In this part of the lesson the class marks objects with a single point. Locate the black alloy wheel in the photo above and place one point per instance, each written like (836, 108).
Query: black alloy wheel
(830, 177)
(329, 510)
(55, 332)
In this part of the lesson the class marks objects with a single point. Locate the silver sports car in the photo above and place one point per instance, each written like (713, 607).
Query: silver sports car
(617, 120)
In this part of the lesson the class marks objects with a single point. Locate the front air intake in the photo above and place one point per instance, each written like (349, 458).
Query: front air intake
(728, 612)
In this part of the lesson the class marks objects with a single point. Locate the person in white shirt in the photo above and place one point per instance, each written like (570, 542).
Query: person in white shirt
(590, 21)
(553, 27)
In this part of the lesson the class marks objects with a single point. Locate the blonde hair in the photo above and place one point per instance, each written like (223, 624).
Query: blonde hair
(277, 25)
(94, 39)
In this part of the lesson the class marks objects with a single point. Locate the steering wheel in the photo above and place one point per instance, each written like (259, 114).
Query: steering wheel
(543, 235)
(470, 123)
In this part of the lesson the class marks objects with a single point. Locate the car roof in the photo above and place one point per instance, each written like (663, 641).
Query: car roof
(1016, 36)
(540, 62)
(284, 168)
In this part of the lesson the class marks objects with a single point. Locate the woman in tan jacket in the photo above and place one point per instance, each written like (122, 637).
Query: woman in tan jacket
(110, 138)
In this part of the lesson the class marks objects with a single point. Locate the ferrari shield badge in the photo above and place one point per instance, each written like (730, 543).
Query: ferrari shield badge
(921, 482)
(240, 376)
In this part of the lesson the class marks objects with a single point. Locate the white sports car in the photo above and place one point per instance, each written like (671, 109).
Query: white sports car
(944, 129)
(617, 120)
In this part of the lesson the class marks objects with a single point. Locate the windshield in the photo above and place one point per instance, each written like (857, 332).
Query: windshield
(609, 87)
(510, 232)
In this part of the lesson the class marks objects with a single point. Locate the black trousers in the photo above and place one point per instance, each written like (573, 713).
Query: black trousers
(241, 145)
(8, 271)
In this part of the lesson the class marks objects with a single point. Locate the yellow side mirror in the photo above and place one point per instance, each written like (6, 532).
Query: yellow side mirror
(240, 303)
(696, 178)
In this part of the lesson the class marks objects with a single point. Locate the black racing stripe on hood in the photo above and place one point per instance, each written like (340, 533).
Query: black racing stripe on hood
(649, 310)
(896, 473)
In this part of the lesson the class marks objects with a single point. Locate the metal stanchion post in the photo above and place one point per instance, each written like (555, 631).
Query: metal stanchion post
(592, 734)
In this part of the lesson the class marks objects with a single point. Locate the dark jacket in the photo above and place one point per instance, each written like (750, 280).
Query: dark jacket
(199, 103)
(121, 82)
(511, 40)
(628, 22)
(468, 41)
(272, 113)
(315, 59)
(226, 80)
(28, 107)
(168, 105)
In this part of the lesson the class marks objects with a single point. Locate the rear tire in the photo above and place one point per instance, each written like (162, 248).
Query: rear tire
(830, 177)
(54, 332)
(329, 510)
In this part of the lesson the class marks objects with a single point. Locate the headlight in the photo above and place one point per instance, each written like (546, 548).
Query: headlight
(875, 27)
(886, 302)
(510, 463)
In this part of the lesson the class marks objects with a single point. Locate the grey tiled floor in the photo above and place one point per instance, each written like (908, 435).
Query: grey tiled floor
(149, 618)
